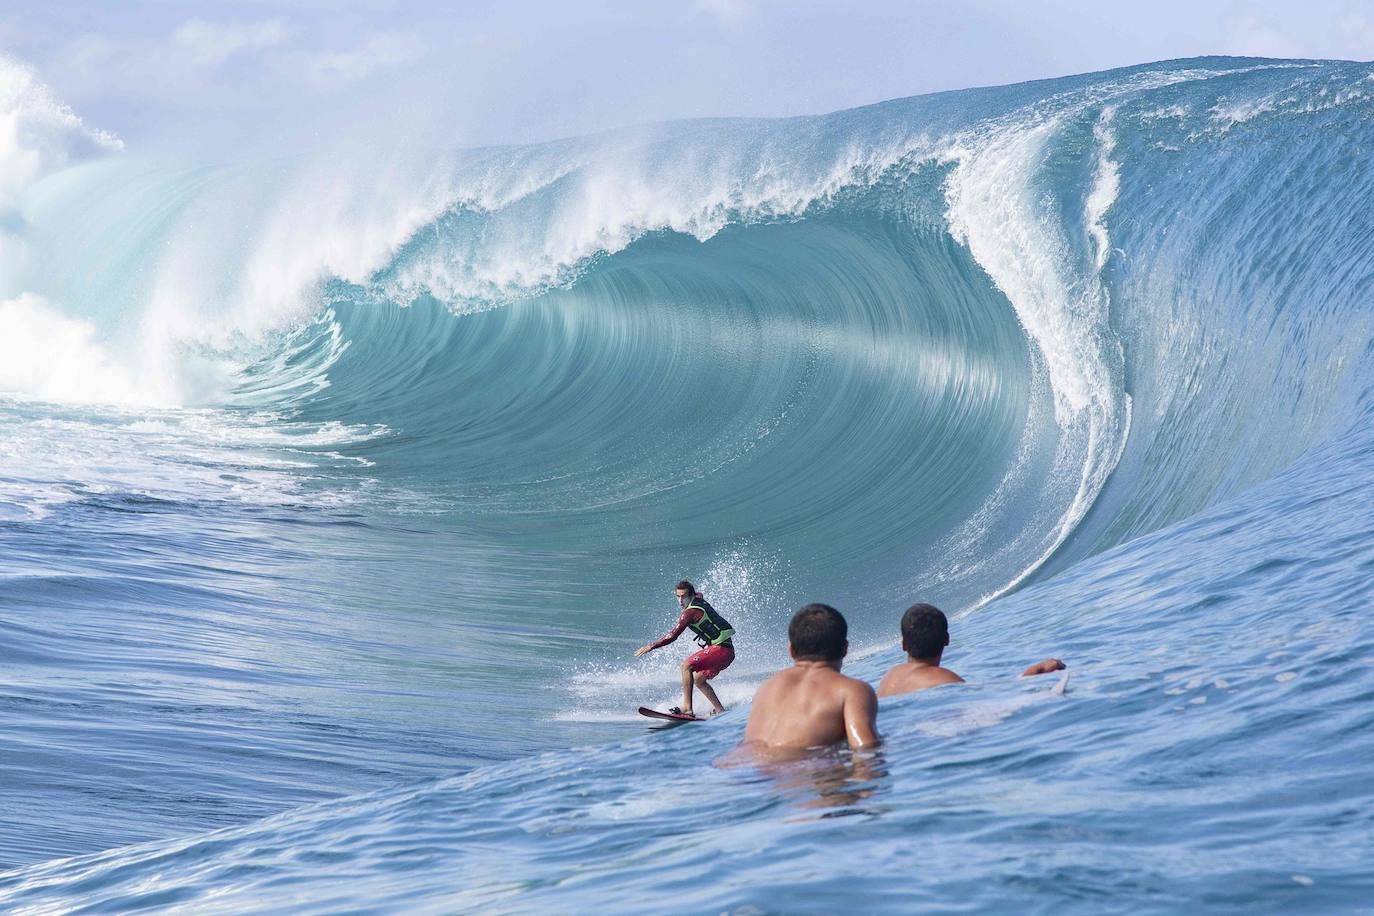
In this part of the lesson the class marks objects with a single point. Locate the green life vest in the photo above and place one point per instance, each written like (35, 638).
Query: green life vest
(712, 629)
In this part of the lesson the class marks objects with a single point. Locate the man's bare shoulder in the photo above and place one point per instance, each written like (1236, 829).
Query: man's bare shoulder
(908, 678)
(835, 680)
(779, 679)
(850, 688)
(856, 685)
(778, 683)
(891, 681)
(942, 676)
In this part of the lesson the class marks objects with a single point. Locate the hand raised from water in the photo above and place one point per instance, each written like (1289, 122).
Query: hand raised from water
(1045, 667)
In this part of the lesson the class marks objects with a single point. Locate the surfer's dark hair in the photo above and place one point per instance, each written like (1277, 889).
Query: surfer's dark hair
(818, 633)
(686, 587)
(925, 631)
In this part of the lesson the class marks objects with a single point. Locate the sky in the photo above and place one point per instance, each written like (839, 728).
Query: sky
(520, 70)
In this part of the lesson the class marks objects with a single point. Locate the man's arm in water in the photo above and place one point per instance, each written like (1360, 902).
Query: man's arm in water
(861, 716)
(689, 615)
(1045, 667)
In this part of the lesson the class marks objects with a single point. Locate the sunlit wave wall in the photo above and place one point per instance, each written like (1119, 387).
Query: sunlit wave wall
(926, 333)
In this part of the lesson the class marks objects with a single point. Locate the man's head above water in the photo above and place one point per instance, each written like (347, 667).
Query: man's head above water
(818, 633)
(925, 636)
(925, 631)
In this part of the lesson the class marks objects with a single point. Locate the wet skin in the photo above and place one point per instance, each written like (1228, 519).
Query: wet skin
(923, 673)
(812, 705)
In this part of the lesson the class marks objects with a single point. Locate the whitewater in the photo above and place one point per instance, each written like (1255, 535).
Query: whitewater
(338, 486)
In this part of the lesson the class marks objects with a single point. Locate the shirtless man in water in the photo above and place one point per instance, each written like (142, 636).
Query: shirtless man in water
(925, 634)
(811, 704)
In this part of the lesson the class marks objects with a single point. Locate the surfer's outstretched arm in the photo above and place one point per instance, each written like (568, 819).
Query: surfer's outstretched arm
(688, 616)
(1045, 667)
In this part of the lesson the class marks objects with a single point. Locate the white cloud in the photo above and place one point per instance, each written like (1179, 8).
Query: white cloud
(727, 11)
(336, 68)
(1251, 36)
(38, 135)
(175, 64)
(1350, 36)
(210, 44)
(1358, 34)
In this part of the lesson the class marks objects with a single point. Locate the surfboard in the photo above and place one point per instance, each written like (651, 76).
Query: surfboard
(670, 716)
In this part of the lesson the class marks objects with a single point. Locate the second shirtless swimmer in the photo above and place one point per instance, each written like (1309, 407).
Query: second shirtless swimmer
(925, 636)
(812, 704)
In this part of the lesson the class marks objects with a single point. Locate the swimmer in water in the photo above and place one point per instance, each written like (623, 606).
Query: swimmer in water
(925, 635)
(812, 704)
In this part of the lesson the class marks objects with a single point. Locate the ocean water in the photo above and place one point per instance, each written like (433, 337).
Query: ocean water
(337, 489)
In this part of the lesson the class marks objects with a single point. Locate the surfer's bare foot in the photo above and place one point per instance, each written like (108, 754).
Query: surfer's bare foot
(679, 711)
(716, 712)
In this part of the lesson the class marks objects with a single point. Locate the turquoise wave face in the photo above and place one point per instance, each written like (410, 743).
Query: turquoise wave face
(948, 343)
(406, 456)
(804, 387)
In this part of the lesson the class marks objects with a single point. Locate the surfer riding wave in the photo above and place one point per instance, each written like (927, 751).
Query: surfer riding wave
(713, 633)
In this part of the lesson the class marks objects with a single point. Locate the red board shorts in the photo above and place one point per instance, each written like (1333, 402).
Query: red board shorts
(711, 661)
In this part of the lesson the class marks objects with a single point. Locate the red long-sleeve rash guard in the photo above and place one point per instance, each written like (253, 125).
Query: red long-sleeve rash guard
(690, 614)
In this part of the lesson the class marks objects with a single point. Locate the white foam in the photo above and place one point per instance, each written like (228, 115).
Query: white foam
(47, 355)
(1106, 185)
(1229, 114)
(605, 193)
(45, 351)
(996, 208)
(49, 458)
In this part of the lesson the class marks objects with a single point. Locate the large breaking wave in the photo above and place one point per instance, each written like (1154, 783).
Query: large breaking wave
(938, 347)
(928, 330)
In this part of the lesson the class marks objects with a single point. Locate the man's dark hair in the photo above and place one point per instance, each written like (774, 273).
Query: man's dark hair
(925, 631)
(817, 634)
(686, 587)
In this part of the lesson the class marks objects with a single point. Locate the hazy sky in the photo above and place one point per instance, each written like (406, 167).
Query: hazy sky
(523, 70)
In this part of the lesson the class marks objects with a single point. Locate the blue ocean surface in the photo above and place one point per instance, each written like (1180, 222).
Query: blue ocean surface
(337, 491)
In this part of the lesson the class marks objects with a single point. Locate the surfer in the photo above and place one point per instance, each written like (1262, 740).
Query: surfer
(812, 704)
(925, 634)
(713, 633)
